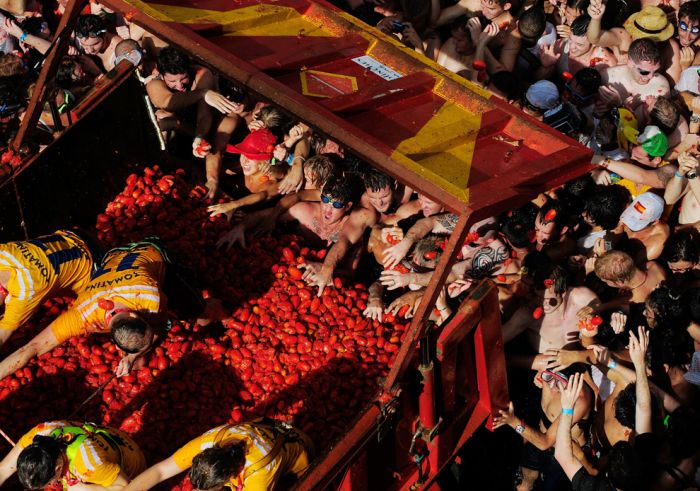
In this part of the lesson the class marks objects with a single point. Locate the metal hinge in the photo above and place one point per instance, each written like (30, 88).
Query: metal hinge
(386, 421)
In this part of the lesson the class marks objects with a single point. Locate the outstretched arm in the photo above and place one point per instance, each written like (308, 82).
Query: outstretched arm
(43, 342)
(8, 466)
(163, 470)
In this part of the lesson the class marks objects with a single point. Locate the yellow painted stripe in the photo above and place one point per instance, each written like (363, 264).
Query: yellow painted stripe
(443, 149)
(255, 20)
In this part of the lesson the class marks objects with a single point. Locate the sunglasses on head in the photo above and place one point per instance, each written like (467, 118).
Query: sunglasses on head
(685, 27)
(325, 199)
(549, 376)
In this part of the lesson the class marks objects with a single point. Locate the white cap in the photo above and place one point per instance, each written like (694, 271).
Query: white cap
(645, 209)
(688, 82)
(693, 374)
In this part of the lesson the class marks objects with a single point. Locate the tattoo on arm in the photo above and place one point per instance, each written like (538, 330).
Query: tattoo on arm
(486, 259)
(448, 221)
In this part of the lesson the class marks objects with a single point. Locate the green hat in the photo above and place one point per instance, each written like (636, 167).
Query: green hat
(653, 141)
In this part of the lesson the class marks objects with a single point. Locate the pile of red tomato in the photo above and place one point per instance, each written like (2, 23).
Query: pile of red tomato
(284, 353)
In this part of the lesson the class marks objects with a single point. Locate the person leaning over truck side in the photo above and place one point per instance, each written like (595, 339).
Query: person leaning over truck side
(78, 456)
(34, 270)
(253, 456)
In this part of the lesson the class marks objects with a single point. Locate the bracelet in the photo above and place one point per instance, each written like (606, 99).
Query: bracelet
(678, 174)
(567, 410)
(520, 428)
(23, 36)
(612, 365)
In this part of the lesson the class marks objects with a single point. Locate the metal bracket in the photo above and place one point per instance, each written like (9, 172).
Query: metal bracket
(386, 421)
(432, 431)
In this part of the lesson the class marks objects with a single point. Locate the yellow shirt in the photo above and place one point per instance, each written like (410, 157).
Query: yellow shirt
(634, 188)
(259, 440)
(39, 269)
(99, 459)
(129, 277)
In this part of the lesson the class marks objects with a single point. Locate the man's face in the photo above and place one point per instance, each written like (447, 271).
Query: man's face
(649, 315)
(249, 166)
(91, 45)
(332, 147)
(570, 14)
(428, 206)
(578, 45)
(382, 199)
(491, 9)
(551, 300)
(463, 43)
(688, 31)
(332, 210)
(641, 156)
(546, 233)
(179, 82)
(642, 71)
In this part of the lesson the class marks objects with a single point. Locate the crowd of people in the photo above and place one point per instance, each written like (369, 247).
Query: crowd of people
(598, 280)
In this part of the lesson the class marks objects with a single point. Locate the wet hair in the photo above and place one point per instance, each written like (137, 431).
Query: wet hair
(605, 206)
(625, 406)
(428, 244)
(539, 268)
(173, 61)
(64, 74)
(576, 192)
(615, 266)
(684, 432)
(624, 467)
(322, 167)
(213, 467)
(460, 24)
(232, 90)
(36, 464)
(579, 26)
(690, 10)
(665, 114)
(11, 65)
(89, 25)
(682, 246)
(376, 181)
(532, 24)
(338, 188)
(668, 346)
(581, 5)
(518, 225)
(588, 80)
(644, 49)
(561, 214)
(505, 82)
(271, 116)
(669, 310)
(130, 334)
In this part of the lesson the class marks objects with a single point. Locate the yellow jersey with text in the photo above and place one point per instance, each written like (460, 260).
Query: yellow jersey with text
(131, 277)
(40, 268)
(99, 458)
(292, 457)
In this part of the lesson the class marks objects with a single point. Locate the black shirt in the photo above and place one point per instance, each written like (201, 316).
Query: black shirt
(583, 481)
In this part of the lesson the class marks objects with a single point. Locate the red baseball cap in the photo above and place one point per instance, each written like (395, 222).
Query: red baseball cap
(258, 145)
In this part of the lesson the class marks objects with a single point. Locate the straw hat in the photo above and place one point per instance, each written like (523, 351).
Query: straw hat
(651, 22)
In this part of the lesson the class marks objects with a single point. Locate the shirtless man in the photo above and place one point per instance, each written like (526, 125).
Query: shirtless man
(552, 232)
(575, 52)
(685, 185)
(95, 41)
(638, 78)
(457, 53)
(640, 25)
(641, 224)
(331, 220)
(551, 318)
(617, 269)
(259, 177)
(383, 194)
(689, 32)
(179, 86)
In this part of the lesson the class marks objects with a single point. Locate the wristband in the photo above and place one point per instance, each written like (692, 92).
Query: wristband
(677, 174)
(23, 36)
(567, 410)
(612, 365)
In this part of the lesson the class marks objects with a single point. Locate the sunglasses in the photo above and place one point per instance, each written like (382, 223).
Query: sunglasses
(644, 73)
(685, 27)
(548, 376)
(325, 199)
